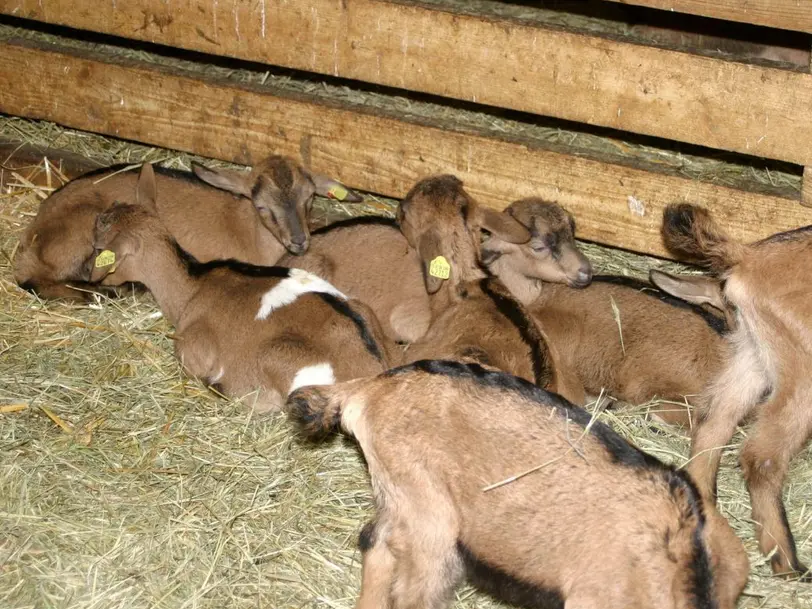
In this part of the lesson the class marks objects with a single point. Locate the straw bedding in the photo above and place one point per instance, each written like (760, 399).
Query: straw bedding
(124, 483)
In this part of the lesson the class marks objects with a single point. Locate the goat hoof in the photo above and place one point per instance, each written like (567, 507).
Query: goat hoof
(798, 572)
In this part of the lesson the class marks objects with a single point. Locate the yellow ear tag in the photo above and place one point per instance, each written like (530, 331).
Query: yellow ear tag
(439, 267)
(337, 192)
(105, 258)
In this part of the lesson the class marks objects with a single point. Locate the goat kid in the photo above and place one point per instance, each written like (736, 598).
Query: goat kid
(444, 443)
(238, 326)
(473, 316)
(617, 334)
(211, 223)
(766, 285)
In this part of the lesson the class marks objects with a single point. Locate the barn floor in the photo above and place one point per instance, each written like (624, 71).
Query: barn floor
(124, 484)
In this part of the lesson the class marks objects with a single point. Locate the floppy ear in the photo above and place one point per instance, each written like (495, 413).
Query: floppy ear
(428, 248)
(696, 289)
(146, 193)
(332, 189)
(238, 182)
(110, 253)
(503, 226)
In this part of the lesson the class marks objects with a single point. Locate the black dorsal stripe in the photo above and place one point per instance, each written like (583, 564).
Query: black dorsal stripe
(342, 307)
(357, 221)
(520, 318)
(196, 268)
(716, 323)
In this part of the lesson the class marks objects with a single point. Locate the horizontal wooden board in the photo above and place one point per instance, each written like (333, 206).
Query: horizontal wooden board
(368, 150)
(782, 14)
(722, 104)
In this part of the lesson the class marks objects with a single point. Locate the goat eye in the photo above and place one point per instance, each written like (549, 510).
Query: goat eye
(538, 247)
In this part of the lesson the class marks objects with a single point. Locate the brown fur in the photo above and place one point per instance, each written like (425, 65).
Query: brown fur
(215, 307)
(57, 247)
(767, 373)
(666, 351)
(436, 433)
(373, 263)
(473, 316)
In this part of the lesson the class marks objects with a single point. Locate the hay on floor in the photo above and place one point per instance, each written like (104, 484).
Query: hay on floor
(124, 484)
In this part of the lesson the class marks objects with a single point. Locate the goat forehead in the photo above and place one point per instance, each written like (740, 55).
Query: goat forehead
(283, 172)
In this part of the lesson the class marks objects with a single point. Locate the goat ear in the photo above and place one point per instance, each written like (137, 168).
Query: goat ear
(696, 289)
(146, 193)
(503, 226)
(107, 260)
(333, 189)
(436, 268)
(238, 182)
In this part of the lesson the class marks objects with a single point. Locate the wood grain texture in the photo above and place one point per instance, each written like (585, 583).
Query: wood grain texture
(721, 104)
(781, 14)
(806, 187)
(616, 205)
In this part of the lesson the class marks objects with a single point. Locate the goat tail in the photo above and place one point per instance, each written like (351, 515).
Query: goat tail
(691, 233)
(317, 409)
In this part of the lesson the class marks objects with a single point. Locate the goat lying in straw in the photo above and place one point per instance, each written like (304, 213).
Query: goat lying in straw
(617, 334)
(766, 284)
(473, 316)
(544, 507)
(238, 326)
(210, 223)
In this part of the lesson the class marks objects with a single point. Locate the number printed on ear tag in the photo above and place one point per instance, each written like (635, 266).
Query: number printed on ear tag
(105, 258)
(337, 192)
(439, 267)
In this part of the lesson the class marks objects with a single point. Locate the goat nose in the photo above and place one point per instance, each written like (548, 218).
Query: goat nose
(584, 278)
(297, 246)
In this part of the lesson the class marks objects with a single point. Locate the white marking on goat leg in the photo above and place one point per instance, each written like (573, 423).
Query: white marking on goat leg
(289, 289)
(318, 374)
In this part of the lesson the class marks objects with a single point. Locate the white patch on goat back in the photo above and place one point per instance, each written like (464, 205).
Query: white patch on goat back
(289, 289)
(318, 374)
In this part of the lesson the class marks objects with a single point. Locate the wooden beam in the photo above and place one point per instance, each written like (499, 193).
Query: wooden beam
(367, 149)
(721, 104)
(781, 14)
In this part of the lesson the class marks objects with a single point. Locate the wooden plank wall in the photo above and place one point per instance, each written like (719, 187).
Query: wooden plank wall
(616, 205)
(782, 14)
(721, 104)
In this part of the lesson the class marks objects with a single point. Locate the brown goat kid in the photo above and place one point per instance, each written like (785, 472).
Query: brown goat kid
(57, 247)
(593, 522)
(767, 284)
(239, 326)
(617, 334)
(473, 316)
